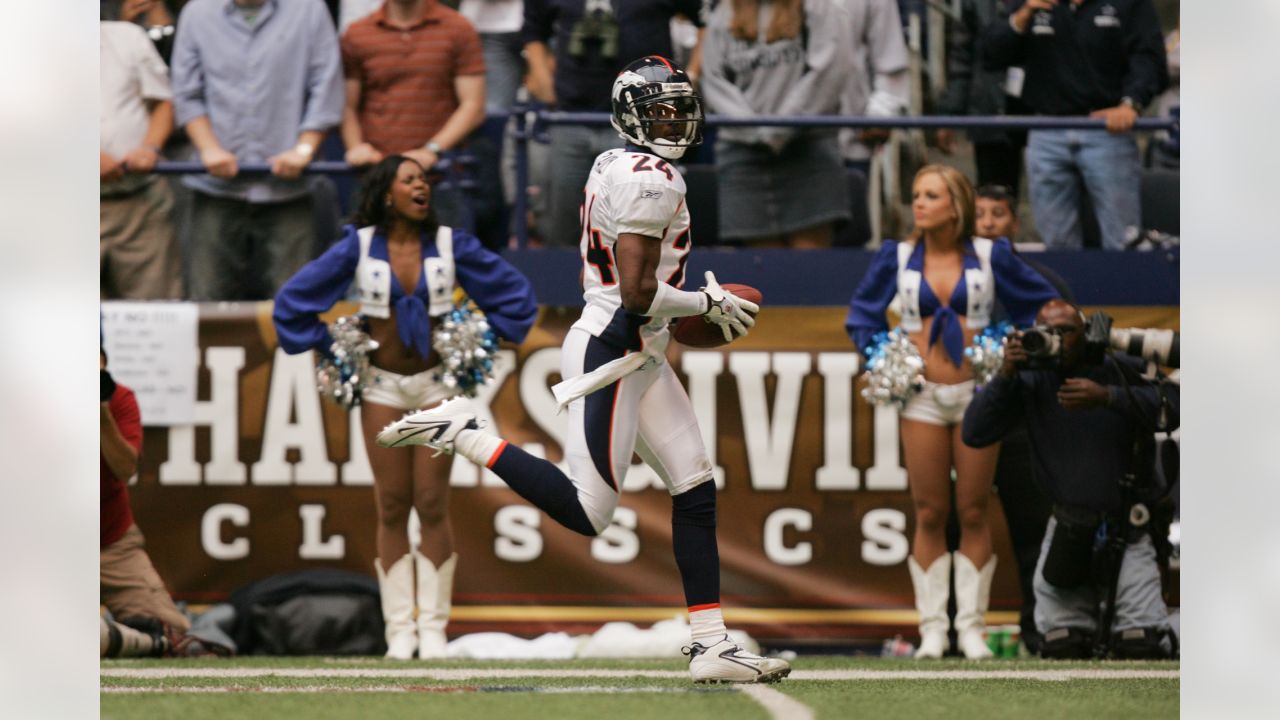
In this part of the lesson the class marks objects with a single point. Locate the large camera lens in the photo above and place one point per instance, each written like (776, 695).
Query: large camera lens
(1040, 342)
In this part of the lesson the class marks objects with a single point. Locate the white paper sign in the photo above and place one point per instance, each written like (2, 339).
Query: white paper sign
(153, 349)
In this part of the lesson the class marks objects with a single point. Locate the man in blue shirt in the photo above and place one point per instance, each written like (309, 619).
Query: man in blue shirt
(254, 81)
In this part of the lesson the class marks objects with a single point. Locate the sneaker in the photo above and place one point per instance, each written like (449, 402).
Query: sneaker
(436, 427)
(724, 661)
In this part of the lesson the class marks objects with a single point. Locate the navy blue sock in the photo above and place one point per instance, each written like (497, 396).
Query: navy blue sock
(693, 540)
(541, 483)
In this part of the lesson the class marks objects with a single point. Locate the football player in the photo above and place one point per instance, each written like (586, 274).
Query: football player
(621, 393)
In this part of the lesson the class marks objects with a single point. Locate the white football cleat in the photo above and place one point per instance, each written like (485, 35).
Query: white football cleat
(435, 427)
(726, 662)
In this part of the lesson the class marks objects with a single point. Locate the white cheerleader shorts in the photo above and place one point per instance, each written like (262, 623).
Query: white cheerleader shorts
(405, 392)
(939, 404)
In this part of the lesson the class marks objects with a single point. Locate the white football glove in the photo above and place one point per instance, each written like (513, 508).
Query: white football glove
(730, 312)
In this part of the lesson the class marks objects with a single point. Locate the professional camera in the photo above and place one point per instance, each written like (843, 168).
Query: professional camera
(1158, 346)
(1043, 344)
(597, 25)
(107, 386)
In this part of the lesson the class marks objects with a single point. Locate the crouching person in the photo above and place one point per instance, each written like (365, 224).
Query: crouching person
(1085, 413)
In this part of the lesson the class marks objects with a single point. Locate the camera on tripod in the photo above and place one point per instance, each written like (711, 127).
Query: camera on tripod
(1044, 346)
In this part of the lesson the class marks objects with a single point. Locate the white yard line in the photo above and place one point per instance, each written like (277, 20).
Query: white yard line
(1046, 675)
(220, 689)
(486, 674)
(778, 705)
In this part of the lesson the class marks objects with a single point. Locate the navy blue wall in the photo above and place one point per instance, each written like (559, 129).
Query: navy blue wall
(828, 277)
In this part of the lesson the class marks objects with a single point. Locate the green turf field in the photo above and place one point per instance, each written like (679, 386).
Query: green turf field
(820, 687)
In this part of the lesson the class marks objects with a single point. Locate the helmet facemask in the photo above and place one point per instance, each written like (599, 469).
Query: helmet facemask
(663, 117)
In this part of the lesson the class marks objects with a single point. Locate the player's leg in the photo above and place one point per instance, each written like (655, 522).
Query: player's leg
(927, 451)
(671, 444)
(393, 497)
(974, 563)
(598, 448)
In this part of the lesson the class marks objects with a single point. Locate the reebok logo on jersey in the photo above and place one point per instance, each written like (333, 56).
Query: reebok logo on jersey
(650, 194)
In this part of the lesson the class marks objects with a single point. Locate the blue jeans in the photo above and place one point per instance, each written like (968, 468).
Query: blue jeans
(504, 70)
(1057, 162)
(573, 150)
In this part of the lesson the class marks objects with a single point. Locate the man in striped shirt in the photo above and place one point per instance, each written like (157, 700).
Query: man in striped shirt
(415, 86)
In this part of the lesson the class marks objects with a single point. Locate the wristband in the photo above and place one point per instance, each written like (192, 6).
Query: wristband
(669, 302)
(305, 149)
(433, 147)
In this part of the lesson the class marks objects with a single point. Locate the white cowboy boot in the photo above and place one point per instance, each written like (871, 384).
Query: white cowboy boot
(973, 591)
(435, 598)
(932, 587)
(396, 587)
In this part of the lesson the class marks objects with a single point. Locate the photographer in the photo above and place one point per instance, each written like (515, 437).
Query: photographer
(1088, 416)
(129, 585)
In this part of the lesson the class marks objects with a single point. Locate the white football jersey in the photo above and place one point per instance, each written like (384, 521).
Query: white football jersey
(630, 192)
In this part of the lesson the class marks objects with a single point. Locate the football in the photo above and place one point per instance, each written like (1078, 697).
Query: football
(695, 331)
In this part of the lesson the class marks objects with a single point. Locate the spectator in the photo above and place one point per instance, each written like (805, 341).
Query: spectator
(254, 81)
(995, 213)
(498, 22)
(946, 282)
(878, 85)
(137, 245)
(1083, 414)
(592, 41)
(404, 267)
(415, 87)
(778, 185)
(1083, 57)
(974, 90)
(129, 586)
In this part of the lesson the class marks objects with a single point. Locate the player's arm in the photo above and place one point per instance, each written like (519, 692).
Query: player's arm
(638, 257)
(643, 294)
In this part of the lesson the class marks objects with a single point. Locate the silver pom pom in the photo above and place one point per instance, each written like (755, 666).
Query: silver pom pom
(342, 378)
(986, 354)
(466, 345)
(895, 370)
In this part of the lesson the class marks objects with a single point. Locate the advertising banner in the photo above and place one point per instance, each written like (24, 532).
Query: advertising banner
(814, 517)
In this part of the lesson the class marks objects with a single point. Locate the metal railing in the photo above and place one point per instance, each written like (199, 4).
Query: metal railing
(523, 133)
(454, 165)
